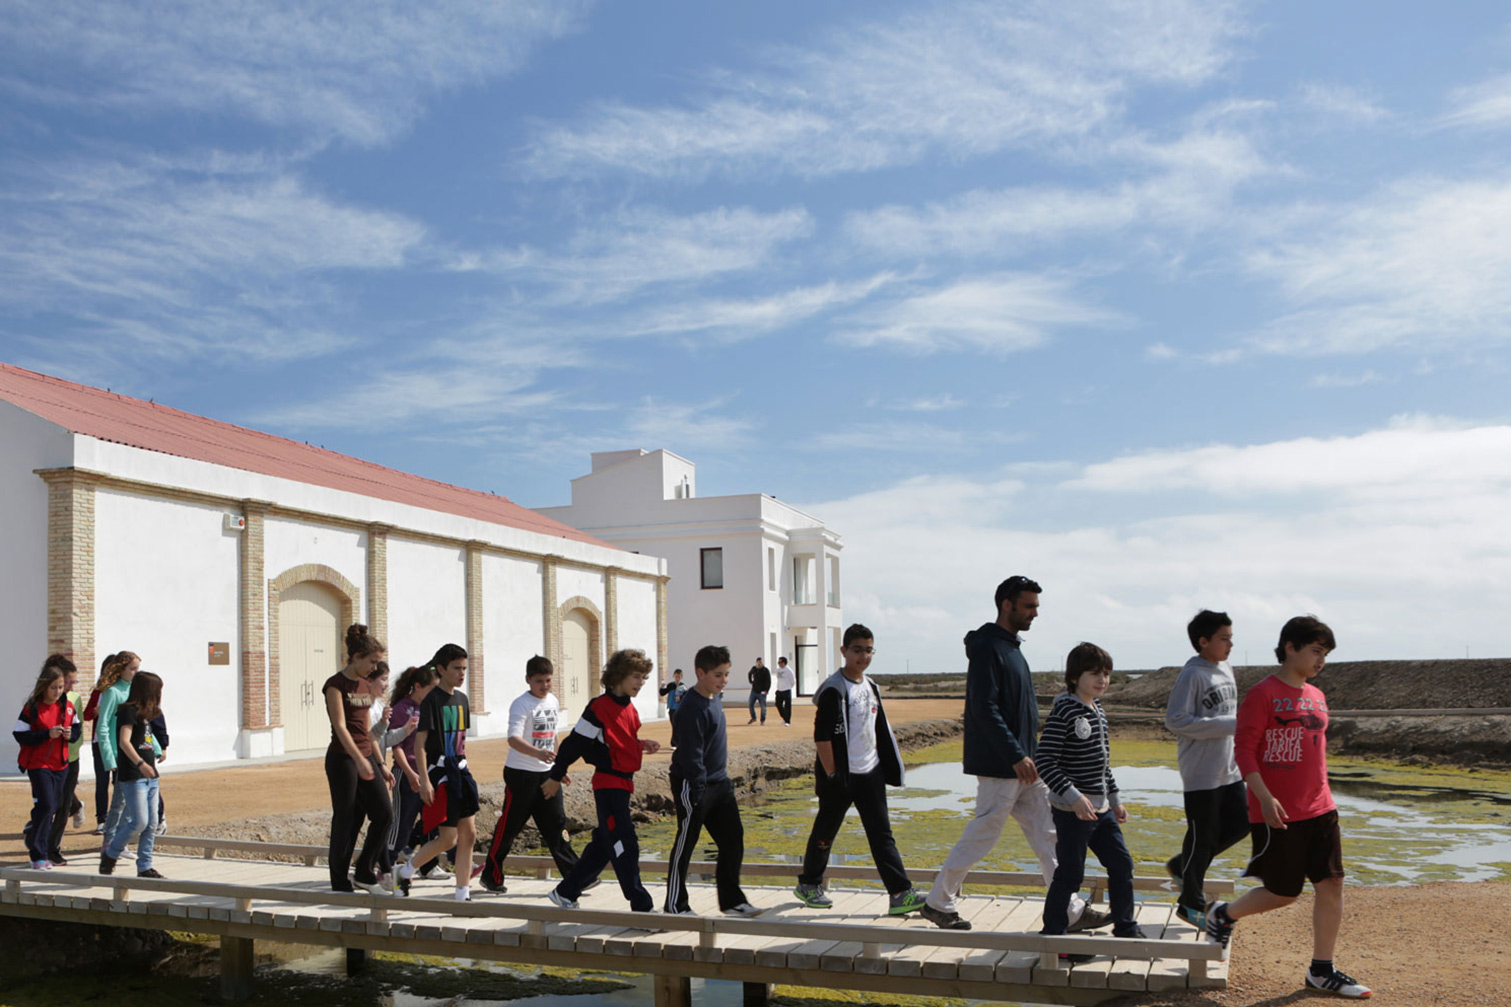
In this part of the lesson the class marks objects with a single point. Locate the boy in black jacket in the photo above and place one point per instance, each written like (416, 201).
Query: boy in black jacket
(702, 792)
(857, 758)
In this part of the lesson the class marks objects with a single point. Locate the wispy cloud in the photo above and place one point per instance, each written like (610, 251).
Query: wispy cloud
(1339, 101)
(355, 71)
(705, 426)
(182, 266)
(996, 313)
(954, 82)
(1486, 105)
(1366, 377)
(1421, 264)
(736, 318)
(642, 247)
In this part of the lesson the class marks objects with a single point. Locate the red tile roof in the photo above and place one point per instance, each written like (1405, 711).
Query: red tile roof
(109, 417)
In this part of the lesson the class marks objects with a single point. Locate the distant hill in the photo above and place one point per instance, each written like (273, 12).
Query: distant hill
(1362, 685)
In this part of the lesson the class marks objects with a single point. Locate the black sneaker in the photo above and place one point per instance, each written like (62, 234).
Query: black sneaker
(1220, 926)
(1070, 959)
(944, 920)
(1340, 983)
(107, 864)
(489, 886)
(150, 872)
(1136, 933)
(1090, 919)
(1172, 868)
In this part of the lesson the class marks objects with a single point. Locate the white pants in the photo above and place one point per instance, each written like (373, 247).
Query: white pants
(996, 799)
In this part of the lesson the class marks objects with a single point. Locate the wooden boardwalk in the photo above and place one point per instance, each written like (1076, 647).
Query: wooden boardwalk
(852, 946)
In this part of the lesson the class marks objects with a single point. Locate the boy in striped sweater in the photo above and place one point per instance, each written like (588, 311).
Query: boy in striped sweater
(1075, 763)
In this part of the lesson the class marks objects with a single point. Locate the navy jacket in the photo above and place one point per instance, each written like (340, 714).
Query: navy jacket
(1001, 711)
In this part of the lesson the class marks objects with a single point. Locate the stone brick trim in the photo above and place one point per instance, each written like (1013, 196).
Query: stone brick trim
(351, 605)
(663, 633)
(476, 679)
(550, 617)
(377, 579)
(70, 568)
(254, 627)
(611, 608)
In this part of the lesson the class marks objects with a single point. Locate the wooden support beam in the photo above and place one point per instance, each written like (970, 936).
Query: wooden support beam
(757, 994)
(674, 991)
(236, 960)
(356, 961)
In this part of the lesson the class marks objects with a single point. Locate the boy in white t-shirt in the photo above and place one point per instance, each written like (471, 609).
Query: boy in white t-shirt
(532, 751)
(858, 758)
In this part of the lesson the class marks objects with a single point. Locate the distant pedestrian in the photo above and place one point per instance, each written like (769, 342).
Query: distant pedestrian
(785, 682)
(702, 793)
(533, 724)
(607, 737)
(674, 691)
(48, 724)
(858, 757)
(1203, 714)
(1001, 736)
(136, 776)
(760, 684)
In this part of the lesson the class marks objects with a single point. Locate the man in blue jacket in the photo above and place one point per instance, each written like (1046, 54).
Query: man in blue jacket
(1001, 733)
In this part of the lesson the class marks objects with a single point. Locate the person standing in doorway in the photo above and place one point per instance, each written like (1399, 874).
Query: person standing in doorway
(1001, 736)
(785, 680)
(760, 684)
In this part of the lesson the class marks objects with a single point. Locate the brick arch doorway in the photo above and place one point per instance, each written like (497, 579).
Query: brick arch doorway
(581, 657)
(309, 608)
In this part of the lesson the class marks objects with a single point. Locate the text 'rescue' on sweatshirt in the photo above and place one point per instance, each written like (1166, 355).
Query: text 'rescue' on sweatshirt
(607, 738)
(1203, 714)
(1074, 757)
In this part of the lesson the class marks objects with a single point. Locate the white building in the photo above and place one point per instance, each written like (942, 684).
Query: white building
(232, 562)
(747, 571)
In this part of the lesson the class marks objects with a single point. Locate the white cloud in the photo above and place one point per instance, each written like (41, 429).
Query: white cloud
(357, 71)
(685, 427)
(1397, 537)
(956, 82)
(1339, 101)
(891, 438)
(997, 313)
(1188, 183)
(1366, 377)
(645, 246)
(180, 266)
(1421, 264)
(732, 318)
(1486, 105)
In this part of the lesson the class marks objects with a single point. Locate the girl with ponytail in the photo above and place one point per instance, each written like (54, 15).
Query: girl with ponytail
(358, 781)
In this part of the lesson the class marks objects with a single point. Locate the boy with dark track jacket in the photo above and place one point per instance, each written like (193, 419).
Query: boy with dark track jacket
(702, 792)
(858, 757)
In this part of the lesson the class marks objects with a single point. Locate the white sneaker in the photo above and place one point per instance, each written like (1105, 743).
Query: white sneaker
(1339, 983)
(372, 887)
(744, 909)
(464, 894)
(561, 900)
(162, 828)
(78, 819)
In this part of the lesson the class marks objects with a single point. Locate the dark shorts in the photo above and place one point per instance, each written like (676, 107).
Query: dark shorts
(1286, 859)
(454, 801)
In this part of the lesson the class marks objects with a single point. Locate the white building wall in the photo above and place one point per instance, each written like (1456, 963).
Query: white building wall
(513, 632)
(288, 543)
(427, 600)
(637, 628)
(27, 443)
(572, 581)
(166, 586)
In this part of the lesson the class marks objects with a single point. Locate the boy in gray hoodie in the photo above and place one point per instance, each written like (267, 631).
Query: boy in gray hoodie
(1202, 714)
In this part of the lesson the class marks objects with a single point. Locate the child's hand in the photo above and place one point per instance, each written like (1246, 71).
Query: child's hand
(550, 789)
(649, 746)
(1027, 772)
(55, 732)
(1083, 809)
(545, 755)
(1120, 814)
(414, 780)
(1274, 813)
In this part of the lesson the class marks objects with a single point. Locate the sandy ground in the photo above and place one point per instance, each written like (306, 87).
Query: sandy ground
(1439, 944)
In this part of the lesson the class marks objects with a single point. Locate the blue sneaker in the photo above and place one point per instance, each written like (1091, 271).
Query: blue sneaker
(1196, 917)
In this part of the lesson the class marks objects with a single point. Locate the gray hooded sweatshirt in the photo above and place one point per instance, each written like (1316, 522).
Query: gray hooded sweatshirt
(1203, 713)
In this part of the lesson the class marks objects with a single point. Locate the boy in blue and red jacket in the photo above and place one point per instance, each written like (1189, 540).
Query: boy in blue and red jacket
(607, 737)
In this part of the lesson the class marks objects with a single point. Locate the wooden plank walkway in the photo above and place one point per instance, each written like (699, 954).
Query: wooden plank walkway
(855, 945)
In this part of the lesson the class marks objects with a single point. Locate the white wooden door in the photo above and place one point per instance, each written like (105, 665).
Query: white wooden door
(578, 674)
(309, 652)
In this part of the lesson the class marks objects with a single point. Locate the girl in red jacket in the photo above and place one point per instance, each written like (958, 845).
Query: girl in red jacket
(48, 724)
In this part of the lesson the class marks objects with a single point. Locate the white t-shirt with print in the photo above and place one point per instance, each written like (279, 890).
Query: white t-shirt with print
(784, 679)
(860, 725)
(533, 720)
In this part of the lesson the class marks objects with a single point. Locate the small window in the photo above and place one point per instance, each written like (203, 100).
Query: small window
(713, 567)
(770, 568)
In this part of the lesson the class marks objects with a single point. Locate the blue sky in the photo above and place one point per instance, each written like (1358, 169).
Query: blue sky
(1166, 304)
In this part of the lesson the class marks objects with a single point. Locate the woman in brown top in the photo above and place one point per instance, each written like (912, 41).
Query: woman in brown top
(359, 782)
